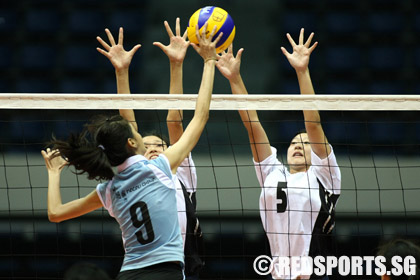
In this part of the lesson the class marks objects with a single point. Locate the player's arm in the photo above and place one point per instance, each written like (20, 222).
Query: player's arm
(175, 51)
(229, 66)
(299, 60)
(57, 211)
(121, 60)
(207, 50)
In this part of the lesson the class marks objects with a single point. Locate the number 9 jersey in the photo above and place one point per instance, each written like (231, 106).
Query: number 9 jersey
(141, 197)
(297, 210)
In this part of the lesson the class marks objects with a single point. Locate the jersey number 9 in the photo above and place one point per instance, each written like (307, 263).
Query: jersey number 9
(150, 234)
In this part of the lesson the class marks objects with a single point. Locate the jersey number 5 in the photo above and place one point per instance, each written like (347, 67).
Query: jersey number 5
(150, 234)
(281, 195)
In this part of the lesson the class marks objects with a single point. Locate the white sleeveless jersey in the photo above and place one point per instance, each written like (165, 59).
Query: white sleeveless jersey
(186, 173)
(141, 197)
(297, 210)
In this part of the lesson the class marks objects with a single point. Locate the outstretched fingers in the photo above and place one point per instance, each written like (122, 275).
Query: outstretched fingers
(218, 37)
(159, 45)
(103, 43)
(197, 32)
(121, 36)
(285, 52)
(230, 49)
(213, 31)
(134, 49)
(195, 47)
(168, 29)
(301, 35)
(203, 37)
(110, 37)
(185, 34)
(106, 54)
(204, 32)
(292, 42)
(308, 42)
(239, 54)
(313, 47)
(177, 27)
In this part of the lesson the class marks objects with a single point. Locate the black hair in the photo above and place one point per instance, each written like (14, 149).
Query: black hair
(159, 135)
(303, 130)
(101, 145)
(402, 248)
(85, 271)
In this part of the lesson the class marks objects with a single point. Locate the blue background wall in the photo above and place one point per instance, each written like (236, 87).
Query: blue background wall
(365, 47)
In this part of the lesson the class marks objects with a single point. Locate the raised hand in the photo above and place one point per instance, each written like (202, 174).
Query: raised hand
(206, 48)
(228, 64)
(178, 45)
(119, 57)
(53, 160)
(299, 59)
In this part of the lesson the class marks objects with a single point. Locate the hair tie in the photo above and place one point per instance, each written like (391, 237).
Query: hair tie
(101, 147)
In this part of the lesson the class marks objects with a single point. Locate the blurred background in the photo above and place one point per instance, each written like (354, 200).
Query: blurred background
(365, 47)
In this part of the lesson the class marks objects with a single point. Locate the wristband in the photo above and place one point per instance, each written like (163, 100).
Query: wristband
(210, 59)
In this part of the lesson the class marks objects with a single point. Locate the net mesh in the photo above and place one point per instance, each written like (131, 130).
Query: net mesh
(375, 138)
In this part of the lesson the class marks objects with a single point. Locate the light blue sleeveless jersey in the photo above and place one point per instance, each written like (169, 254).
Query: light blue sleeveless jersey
(141, 197)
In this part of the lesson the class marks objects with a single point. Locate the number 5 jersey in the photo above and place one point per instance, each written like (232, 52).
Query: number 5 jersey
(297, 210)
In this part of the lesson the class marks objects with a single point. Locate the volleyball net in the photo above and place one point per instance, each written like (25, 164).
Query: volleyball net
(376, 140)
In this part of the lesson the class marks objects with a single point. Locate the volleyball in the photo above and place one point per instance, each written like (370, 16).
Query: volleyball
(215, 16)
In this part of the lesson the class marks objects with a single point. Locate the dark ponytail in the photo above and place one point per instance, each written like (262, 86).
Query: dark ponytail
(99, 147)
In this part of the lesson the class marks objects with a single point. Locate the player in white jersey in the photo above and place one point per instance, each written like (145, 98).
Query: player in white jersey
(297, 204)
(185, 176)
(141, 195)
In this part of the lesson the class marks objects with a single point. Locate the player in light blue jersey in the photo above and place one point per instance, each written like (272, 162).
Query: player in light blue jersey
(141, 195)
(185, 176)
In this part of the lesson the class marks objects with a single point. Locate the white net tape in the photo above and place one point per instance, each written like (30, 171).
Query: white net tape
(219, 102)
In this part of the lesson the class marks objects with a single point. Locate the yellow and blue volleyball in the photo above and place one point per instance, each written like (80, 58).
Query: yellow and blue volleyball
(214, 16)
